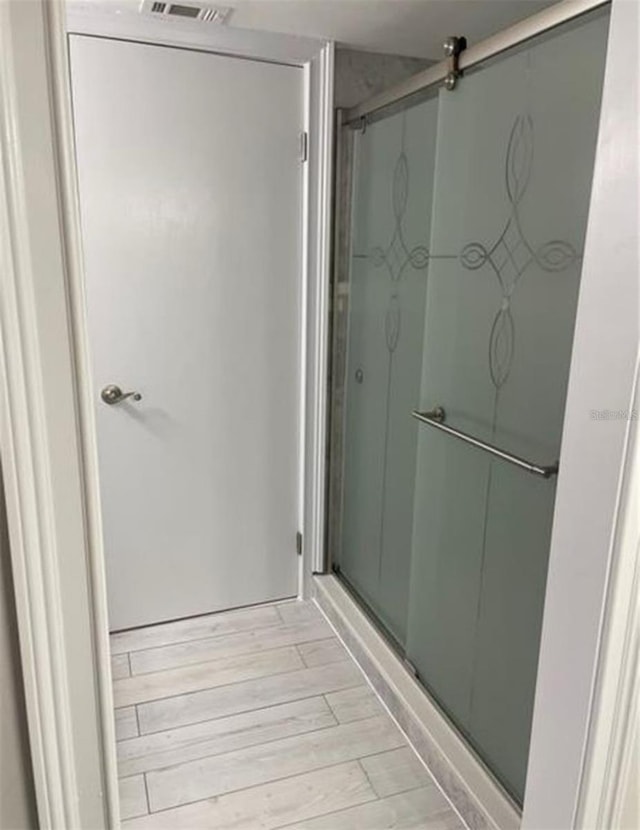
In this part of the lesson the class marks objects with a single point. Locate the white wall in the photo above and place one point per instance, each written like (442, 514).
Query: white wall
(51, 496)
(630, 807)
(17, 799)
(604, 358)
(360, 75)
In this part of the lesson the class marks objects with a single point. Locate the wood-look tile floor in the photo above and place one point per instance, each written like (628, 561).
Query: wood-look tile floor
(258, 718)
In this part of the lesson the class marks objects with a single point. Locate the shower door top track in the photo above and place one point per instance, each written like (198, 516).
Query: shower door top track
(520, 32)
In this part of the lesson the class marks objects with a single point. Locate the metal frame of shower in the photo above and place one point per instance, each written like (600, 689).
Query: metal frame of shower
(520, 32)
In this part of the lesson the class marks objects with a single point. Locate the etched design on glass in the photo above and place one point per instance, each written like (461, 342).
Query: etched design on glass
(392, 323)
(512, 254)
(397, 255)
(509, 257)
(395, 261)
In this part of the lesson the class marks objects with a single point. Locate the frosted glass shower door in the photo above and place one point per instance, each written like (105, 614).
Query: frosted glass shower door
(391, 216)
(515, 151)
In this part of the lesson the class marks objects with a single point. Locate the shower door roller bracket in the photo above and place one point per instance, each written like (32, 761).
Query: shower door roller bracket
(453, 47)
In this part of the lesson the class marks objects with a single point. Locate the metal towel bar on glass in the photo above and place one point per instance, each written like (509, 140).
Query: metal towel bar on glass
(436, 417)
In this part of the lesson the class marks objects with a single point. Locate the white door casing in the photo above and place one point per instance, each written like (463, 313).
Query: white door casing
(190, 184)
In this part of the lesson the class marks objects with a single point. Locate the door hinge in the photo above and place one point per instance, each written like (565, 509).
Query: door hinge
(299, 543)
(304, 146)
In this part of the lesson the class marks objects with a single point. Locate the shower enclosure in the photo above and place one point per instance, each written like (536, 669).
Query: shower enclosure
(462, 221)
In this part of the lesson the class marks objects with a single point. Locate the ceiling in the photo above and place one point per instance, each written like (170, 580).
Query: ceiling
(402, 27)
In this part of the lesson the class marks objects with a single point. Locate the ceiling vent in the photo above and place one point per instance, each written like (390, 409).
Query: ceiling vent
(180, 11)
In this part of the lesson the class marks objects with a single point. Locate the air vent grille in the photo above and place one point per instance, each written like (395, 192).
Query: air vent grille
(179, 11)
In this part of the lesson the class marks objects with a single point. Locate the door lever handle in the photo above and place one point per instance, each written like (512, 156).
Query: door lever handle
(113, 394)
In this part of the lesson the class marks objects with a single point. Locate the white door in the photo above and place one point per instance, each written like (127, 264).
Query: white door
(190, 191)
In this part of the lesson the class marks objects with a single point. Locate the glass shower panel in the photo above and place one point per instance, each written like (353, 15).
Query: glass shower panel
(515, 151)
(392, 196)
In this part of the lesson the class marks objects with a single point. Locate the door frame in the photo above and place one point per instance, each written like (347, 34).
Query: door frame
(49, 452)
(316, 58)
(48, 433)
